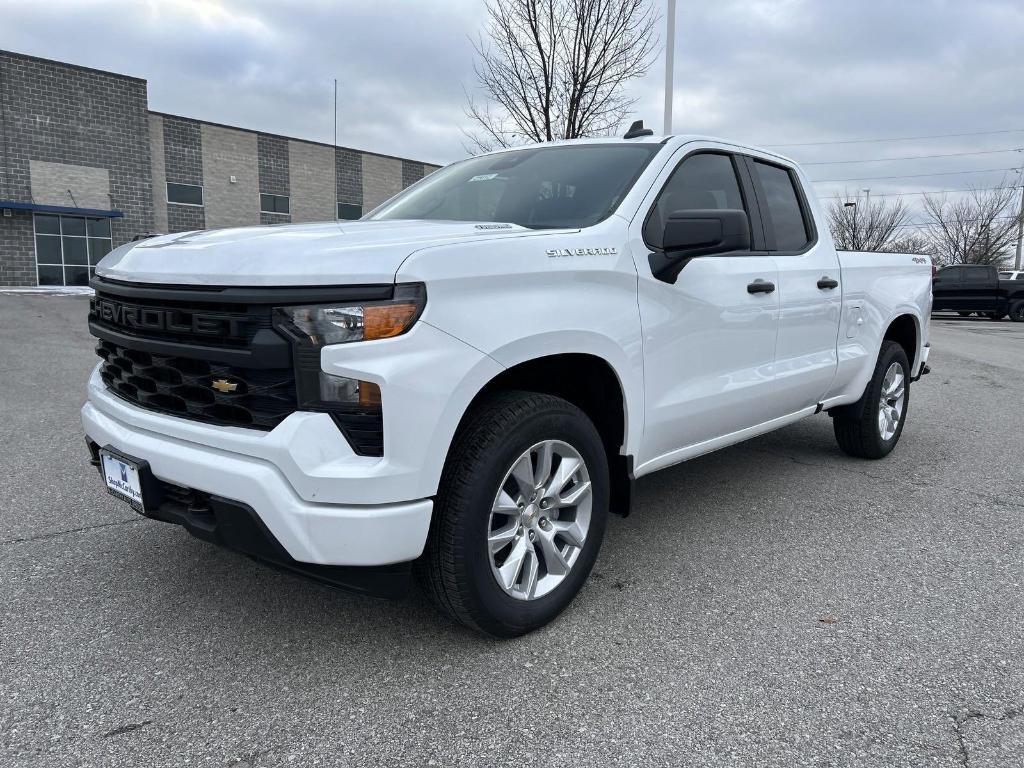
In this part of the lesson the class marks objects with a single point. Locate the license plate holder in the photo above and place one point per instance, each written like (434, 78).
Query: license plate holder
(128, 479)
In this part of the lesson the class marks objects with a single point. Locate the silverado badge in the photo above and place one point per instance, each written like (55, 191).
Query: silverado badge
(554, 253)
(223, 385)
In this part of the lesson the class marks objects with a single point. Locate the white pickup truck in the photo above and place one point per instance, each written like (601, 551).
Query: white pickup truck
(466, 382)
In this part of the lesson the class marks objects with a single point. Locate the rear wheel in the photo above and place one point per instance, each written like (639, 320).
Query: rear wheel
(519, 516)
(1017, 312)
(871, 427)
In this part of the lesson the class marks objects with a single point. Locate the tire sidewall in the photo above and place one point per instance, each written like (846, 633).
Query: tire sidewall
(512, 616)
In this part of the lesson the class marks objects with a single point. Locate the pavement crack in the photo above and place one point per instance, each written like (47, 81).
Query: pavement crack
(56, 534)
(127, 728)
(960, 724)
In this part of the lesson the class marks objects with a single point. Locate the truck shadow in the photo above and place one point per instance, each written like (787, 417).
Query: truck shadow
(707, 499)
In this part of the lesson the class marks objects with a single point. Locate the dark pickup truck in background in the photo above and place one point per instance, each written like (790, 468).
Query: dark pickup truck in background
(970, 288)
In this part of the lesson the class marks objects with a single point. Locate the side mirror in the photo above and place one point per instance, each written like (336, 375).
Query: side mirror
(703, 232)
(706, 232)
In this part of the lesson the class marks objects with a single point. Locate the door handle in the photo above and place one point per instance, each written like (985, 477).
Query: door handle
(760, 286)
(827, 283)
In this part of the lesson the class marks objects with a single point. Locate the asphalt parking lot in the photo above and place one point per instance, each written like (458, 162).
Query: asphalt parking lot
(776, 603)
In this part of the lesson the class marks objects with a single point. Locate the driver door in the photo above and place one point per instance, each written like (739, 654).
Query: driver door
(709, 336)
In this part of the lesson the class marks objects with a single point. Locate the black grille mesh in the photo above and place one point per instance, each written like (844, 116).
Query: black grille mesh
(179, 386)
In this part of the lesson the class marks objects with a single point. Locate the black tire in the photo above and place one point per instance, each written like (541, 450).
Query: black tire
(856, 426)
(455, 568)
(1017, 312)
(965, 314)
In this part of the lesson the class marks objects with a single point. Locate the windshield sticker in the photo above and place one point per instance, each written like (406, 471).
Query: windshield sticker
(484, 177)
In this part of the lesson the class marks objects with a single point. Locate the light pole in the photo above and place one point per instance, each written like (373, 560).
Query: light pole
(854, 238)
(670, 49)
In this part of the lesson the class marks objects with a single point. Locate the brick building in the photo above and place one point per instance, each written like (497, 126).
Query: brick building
(85, 166)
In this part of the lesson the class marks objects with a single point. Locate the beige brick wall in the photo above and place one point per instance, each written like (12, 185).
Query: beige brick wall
(311, 182)
(230, 153)
(382, 178)
(157, 163)
(89, 187)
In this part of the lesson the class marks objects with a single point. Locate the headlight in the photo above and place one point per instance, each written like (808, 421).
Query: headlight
(323, 324)
(354, 405)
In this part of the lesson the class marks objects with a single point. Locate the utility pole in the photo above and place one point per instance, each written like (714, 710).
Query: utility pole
(670, 49)
(335, 113)
(1020, 228)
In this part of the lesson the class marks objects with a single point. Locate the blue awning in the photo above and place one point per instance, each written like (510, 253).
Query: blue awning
(67, 210)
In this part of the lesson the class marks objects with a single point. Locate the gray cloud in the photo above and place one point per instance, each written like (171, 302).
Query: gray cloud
(763, 71)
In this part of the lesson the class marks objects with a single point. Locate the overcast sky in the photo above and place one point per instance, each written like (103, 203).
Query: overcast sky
(764, 71)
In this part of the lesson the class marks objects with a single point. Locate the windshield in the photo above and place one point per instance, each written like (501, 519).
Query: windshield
(566, 186)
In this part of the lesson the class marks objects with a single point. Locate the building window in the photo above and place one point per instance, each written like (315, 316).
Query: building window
(184, 194)
(349, 211)
(69, 247)
(273, 203)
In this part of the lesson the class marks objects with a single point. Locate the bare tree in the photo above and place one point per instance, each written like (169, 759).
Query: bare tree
(910, 242)
(555, 69)
(978, 228)
(867, 227)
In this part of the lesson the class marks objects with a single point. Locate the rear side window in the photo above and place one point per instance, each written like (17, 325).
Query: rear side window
(701, 182)
(783, 203)
(950, 274)
(977, 275)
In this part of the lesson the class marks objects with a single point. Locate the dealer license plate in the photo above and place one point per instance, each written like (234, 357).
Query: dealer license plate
(122, 478)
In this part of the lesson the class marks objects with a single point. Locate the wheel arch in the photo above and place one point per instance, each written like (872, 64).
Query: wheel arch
(592, 384)
(905, 330)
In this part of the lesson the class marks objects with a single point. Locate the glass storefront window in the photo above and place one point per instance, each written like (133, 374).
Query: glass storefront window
(69, 247)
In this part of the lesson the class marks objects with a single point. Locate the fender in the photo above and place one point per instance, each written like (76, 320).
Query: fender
(628, 372)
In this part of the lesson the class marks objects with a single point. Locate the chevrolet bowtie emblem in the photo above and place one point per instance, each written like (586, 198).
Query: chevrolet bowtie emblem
(223, 385)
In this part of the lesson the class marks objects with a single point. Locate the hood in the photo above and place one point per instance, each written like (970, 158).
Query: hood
(327, 253)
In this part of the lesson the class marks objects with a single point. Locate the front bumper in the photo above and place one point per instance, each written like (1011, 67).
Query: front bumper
(324, 534)
(321, 501)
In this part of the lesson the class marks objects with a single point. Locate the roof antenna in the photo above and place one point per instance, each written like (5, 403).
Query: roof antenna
(636, 130)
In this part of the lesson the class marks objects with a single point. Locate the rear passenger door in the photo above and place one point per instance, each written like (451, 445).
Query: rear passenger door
(980, 284)
(809, 287)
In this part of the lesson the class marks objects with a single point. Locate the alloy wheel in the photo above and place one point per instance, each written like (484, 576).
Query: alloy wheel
(539, 520)
(892, 401)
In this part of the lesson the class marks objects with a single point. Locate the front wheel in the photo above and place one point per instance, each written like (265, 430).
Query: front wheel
(1017, 312)
(519, 516)
(871, 427)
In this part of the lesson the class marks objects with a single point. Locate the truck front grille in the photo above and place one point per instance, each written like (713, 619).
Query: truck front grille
(213, 354)
(197, 389)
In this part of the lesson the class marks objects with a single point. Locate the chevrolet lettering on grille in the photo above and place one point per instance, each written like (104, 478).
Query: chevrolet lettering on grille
(135, 317)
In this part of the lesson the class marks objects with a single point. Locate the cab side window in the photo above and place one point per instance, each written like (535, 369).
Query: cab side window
(703, 181)
(785, 213)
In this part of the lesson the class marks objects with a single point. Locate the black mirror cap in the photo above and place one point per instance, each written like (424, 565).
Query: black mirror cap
(705, 232)
(699, 232)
